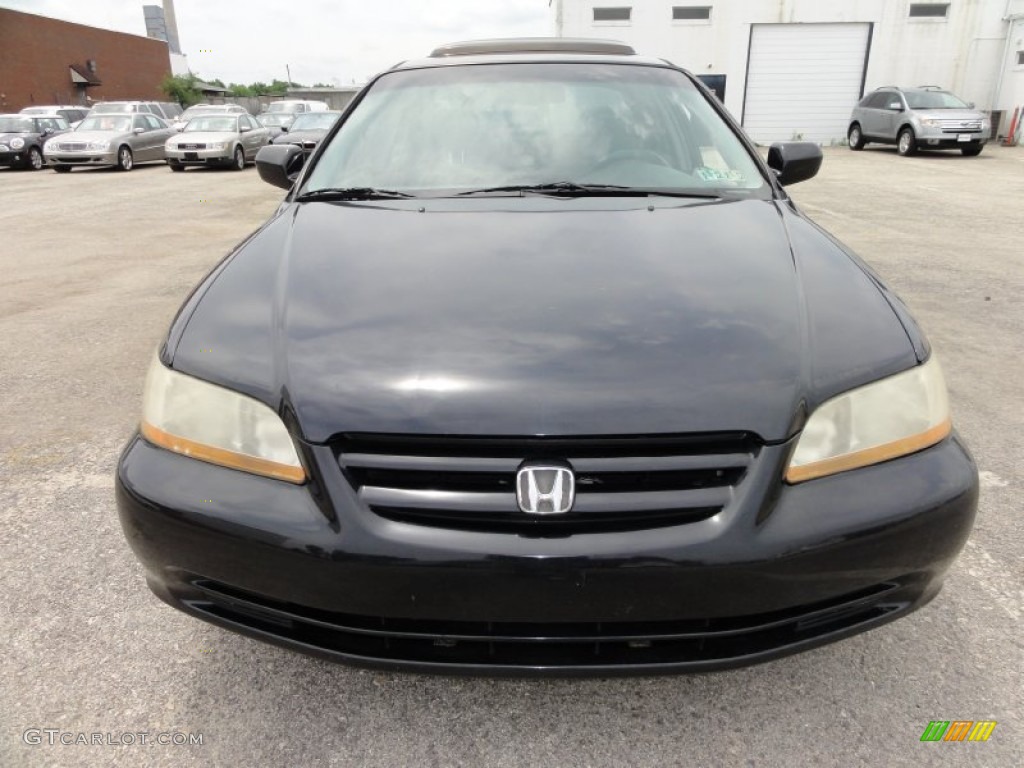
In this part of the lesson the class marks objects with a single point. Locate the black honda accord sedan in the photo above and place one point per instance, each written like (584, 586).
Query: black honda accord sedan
(537, 369)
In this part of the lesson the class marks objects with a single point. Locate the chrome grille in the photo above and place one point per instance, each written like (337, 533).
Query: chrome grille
(622, 484)
(192, 146)
(960, 126)
(72, 146)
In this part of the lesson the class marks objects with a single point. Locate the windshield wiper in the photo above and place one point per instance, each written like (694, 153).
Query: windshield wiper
(567, 188)
(572, 189)
(351, 193)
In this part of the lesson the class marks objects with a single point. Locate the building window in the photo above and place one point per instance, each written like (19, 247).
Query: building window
(929, 10)
(1020, 58)
(612, 14)
(691, 13)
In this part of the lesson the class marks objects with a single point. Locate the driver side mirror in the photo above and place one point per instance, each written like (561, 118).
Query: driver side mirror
(245, 129)
(794, 161)
(284, 129)
(137, 131)
(280, 164)
(895, 106)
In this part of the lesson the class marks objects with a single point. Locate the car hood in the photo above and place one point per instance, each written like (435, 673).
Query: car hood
(537, 316)
(297, 137)
(203, 137)
(87, 136)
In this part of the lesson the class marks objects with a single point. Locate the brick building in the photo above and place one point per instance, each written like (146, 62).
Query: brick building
(48, 61)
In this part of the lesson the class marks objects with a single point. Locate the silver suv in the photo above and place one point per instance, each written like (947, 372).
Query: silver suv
(918, 118)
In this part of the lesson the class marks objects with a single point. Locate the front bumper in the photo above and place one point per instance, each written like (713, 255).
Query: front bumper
(939, 138)
(14, 159)
(199, 156)
(84, 157)
(780, 569)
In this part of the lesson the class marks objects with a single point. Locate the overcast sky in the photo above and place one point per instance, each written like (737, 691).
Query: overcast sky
(322, 40)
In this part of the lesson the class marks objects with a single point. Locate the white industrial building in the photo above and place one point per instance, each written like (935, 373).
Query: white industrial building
(795, 68)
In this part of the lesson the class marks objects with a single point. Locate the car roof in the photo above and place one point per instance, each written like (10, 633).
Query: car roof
(532, 50)
(531, 58)
(914, 89)
(533, 45)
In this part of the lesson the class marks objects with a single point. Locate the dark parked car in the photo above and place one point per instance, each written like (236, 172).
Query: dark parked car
(538, 369)
(275, 122)
(307, 130)
(22, 138)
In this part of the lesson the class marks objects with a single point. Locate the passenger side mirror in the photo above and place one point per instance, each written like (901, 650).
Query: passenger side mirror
(794, 161)
(280, 164)
(137, 131)
(245, 129)
(284, 129)
(970, 105)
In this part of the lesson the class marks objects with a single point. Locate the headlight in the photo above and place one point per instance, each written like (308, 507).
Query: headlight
(931, 123)
(898, 415)
(214, 424)
(99, 145)
(17, 143)
(218, 145)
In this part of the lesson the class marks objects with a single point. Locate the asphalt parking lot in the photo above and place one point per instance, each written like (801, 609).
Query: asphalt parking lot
(95, 263)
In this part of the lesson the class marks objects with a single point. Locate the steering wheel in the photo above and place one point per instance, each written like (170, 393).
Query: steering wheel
(621, 155)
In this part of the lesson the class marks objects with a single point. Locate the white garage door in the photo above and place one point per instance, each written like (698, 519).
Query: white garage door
(803, 80)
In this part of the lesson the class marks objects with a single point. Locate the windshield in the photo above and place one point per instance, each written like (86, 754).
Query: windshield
(933, 100)
(314, 120)
(282, 106)
(213, 123)
(35, 111)
(16, 125)
(466, 128)
(274, 121)
(106, 123)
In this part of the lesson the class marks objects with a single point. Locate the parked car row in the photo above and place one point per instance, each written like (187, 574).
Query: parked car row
(123, 134)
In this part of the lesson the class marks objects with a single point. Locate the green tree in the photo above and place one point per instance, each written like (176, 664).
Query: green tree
(182, 89)
(280, 87)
